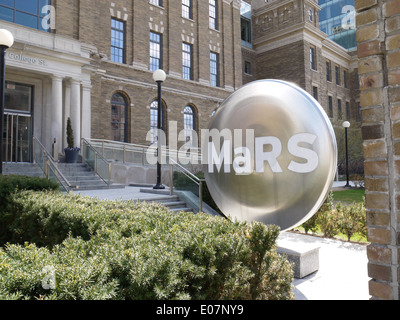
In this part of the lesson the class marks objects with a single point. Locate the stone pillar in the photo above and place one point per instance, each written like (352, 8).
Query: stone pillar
(378, 26)
(86, 111)
(76, 111)
(57, 111)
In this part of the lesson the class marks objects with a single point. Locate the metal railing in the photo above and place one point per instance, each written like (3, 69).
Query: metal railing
(137, 154)
(101, 152)
(46, 162)
(176, 167)
(96, 161)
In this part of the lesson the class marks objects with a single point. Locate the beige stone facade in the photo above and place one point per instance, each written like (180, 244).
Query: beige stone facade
(91, 23)
(78, 78)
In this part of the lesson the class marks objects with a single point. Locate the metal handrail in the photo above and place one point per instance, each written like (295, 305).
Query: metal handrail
(199, 182)
(97, 156)
(48, 161)
(128, 147)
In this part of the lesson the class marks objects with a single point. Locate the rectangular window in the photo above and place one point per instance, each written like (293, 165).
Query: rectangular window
(213, 13)
(337, 75)
(330, 107)
(187, 61)
(247, 67)
(117, 41)
(156, 2)
(347, 110)
(313, 62)
(155, 51)
(328, 71)
(214, 69)
(29, 13)
(340, 112)
(315, 93)
(246, 30)
(187, 9)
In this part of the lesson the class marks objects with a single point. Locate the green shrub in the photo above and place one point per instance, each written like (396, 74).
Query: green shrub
(352, 219)
(115, 250)
(8, 186)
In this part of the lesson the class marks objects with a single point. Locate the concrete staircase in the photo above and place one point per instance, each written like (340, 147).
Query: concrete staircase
(22, 169)
(82, 177)
(78, 175)
(173, 203)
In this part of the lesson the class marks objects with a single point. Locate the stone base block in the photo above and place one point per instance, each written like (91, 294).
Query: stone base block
(304, 257)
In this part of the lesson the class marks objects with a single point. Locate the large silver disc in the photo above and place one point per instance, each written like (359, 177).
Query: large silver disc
(293, 155)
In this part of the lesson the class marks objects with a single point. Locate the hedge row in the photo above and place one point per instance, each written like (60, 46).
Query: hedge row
(70, 247)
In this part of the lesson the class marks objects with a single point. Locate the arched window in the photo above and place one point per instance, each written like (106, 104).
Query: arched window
(154, 121)
(189, 123)
(119, 123)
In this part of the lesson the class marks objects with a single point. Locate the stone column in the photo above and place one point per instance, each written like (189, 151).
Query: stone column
(76, 111)
(86, 111)
(379, 68)
(57, 111)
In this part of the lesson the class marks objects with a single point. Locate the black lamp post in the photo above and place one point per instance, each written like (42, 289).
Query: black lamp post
(159, 76)
(6, 41)
(346, 126)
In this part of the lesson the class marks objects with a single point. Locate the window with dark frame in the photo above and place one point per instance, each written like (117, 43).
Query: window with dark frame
(118, 45)
(213, 13)
(337, 75)
(187, 61)
(330, 107)
(189, 123)
(247, 67)
(315, 93)
(187, 9)
(328, 71)
(313, 62)
(156, 2)
(340, 111)
(119, 108)
(155, 51)
(214, 69)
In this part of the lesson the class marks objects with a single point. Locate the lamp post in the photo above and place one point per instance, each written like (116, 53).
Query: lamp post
(346, 126)
(6, 41)
(159, 76)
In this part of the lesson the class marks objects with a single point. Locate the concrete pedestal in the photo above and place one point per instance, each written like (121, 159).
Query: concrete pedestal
(304, 256)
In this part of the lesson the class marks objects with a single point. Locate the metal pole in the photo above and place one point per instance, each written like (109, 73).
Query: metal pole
(347, 160)
(159, 185)
(2, 101)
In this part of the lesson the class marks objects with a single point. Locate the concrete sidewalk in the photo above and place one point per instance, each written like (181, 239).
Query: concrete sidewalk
(343, 271)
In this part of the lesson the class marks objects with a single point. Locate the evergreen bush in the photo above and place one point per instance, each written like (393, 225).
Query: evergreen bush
(106, 250)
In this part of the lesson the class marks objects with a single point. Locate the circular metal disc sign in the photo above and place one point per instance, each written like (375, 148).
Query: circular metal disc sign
(272, 155)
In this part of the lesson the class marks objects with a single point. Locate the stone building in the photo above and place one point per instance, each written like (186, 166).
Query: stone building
(288, 44)
(93, 61)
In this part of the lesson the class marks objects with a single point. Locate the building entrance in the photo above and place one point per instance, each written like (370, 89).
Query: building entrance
(17, 134)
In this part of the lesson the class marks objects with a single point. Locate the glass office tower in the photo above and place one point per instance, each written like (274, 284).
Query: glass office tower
(337, 19)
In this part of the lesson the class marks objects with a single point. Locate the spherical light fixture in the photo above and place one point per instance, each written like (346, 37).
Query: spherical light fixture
(159, 76)
(346, 124)
(6, 38)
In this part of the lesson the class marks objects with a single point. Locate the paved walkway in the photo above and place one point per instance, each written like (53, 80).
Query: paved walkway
(343, 266)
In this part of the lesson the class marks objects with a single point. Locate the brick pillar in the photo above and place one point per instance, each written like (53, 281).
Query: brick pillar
(378, 26)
